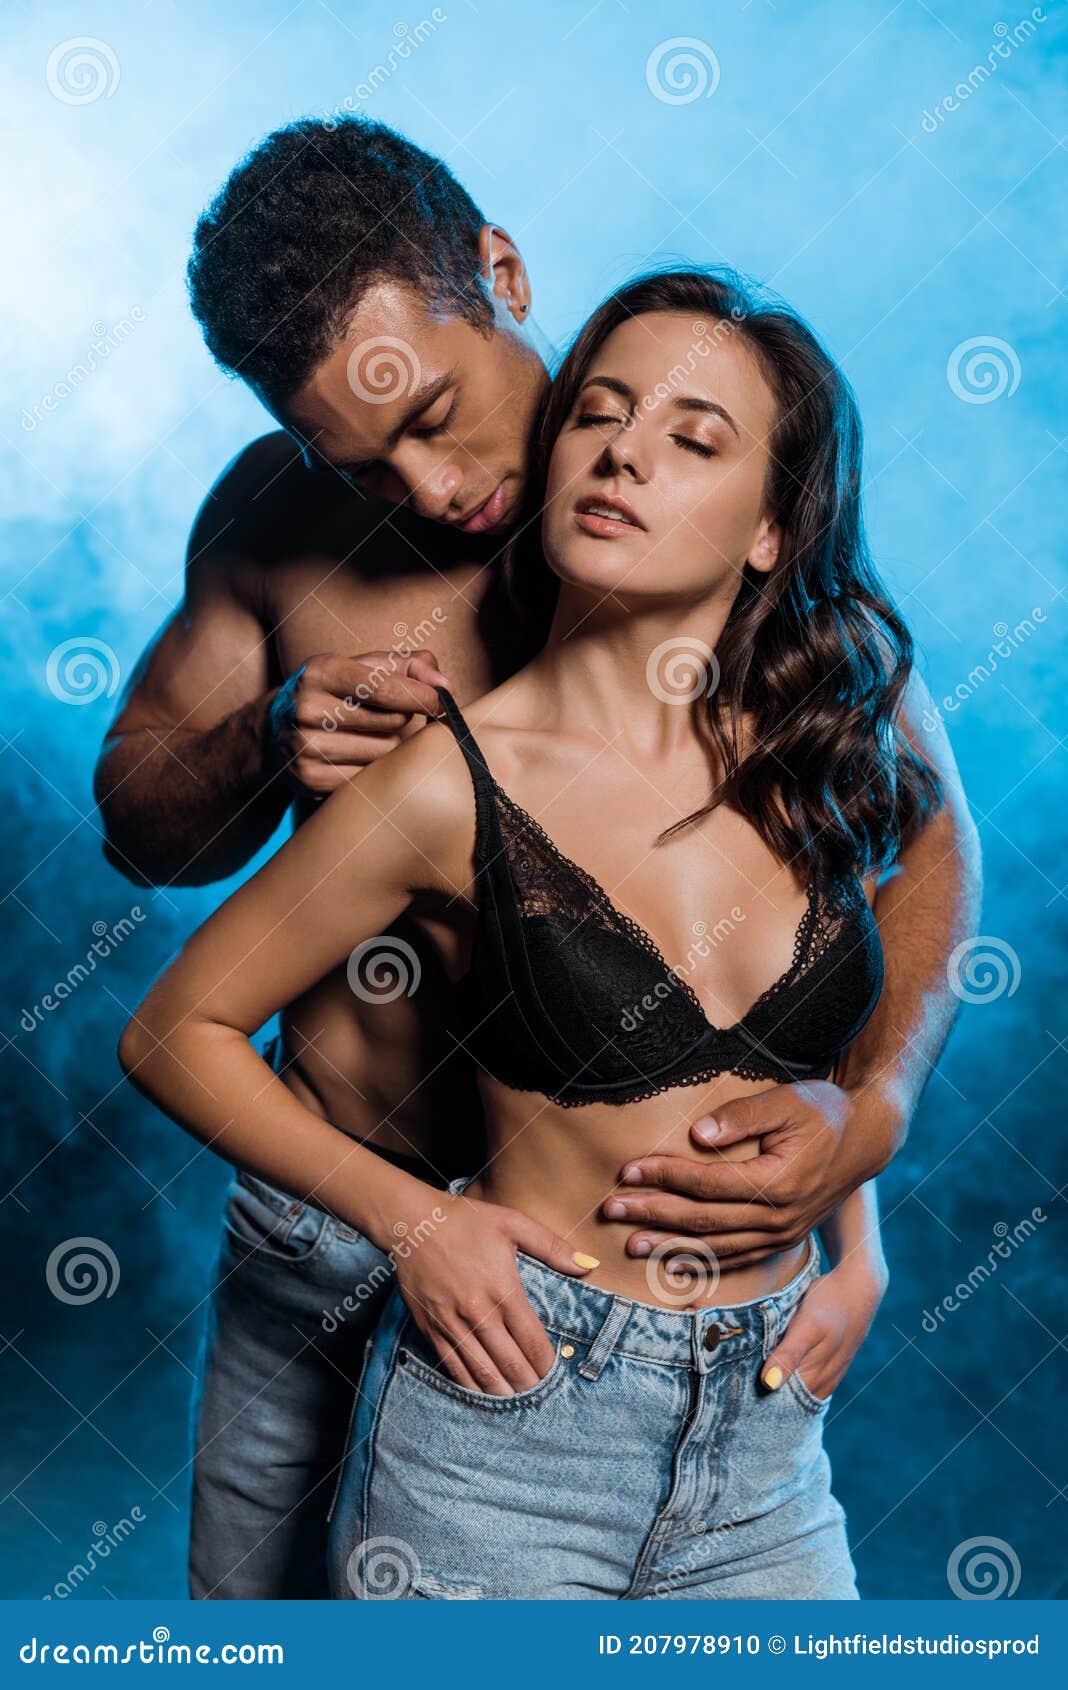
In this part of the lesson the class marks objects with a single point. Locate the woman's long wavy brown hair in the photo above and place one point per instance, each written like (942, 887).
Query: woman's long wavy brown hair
(814, 653)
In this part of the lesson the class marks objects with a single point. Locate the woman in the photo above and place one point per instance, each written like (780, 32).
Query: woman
(572, 1420)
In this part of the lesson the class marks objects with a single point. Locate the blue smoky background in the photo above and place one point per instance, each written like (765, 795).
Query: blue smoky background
(898, 173)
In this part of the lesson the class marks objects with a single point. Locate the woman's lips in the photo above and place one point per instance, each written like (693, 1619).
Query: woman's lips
(491, 514)
(607, 515)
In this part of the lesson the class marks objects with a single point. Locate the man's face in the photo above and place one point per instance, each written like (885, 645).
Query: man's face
(425, 409)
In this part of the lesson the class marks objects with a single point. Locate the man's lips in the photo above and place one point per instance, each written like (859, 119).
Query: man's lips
(607, 516)
(490, 514)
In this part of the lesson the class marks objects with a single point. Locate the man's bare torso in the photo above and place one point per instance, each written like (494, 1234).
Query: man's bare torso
(331, 572)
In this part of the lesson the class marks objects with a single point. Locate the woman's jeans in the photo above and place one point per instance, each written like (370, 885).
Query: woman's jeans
(648, 1462)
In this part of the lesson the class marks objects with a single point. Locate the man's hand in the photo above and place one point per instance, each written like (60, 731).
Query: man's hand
(337, 714)
(817, 1144)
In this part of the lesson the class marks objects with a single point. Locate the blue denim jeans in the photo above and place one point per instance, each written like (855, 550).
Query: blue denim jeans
(296, 1297)
(647, 1463)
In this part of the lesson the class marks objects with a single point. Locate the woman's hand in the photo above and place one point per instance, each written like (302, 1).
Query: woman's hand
(828, 1327)
(463, 1288)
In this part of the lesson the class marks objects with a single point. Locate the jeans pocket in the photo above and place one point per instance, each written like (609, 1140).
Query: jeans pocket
(808, 1400)
(275, 1226)
(427, 1370)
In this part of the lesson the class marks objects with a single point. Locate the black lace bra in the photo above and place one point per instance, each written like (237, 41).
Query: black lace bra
(568, 996)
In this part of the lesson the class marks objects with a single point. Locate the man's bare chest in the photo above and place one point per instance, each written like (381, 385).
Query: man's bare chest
(316, 608)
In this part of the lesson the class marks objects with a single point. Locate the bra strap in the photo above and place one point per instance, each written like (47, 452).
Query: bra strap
(470, 747)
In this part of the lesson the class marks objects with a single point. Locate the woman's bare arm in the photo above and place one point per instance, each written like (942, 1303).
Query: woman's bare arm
(405, 829)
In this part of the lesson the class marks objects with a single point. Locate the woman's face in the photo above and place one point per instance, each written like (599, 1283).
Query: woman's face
(656, 481)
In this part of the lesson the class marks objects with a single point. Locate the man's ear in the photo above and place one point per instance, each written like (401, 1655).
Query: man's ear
(764, 553)
(504, 271)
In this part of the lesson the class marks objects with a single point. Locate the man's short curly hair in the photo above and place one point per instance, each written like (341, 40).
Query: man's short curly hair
(306, 223)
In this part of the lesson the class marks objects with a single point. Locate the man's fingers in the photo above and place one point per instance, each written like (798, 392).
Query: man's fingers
(733, 1249)
(673, 1205)
(743, 1117)
(423, 666)
(712, 1180)
(343, 750)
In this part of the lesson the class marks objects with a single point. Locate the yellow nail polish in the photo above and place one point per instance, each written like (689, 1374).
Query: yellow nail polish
(581, 1260)
(773, 1378)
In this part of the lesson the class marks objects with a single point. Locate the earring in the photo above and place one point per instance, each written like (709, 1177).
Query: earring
(522, 308)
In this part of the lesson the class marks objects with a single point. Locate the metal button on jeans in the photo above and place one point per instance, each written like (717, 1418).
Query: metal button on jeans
(712, 1336)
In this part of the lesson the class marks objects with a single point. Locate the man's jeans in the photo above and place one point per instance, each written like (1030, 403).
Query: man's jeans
(297, 1295)
(648, 1462)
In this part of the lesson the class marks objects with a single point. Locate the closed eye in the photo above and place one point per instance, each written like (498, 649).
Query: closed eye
(694, 445)
(590, 419)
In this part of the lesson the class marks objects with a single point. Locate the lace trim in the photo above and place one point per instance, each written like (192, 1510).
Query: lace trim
(538, 895)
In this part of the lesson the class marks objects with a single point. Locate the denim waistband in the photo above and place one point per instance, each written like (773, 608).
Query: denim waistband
(696, 1338)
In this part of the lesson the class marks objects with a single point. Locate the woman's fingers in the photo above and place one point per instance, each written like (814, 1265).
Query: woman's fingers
(548, 1247)
(800, 1341)
(464, 1352)
(529, 1333)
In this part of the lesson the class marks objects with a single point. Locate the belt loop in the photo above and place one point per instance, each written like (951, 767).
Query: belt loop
(605, 1341)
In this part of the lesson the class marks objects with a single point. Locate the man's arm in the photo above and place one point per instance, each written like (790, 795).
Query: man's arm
(207, 749)
(821, 1141)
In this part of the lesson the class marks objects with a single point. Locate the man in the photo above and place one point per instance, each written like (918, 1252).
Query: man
(351, 281)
